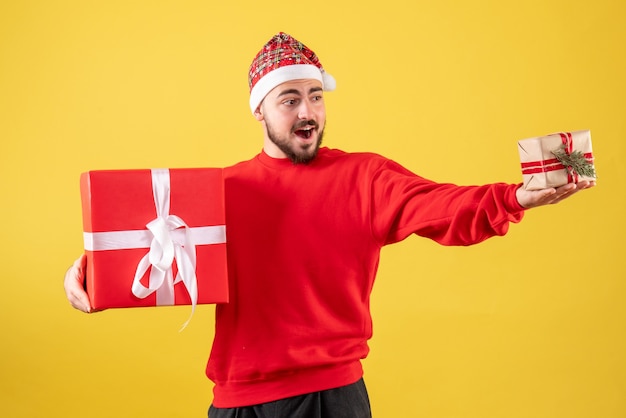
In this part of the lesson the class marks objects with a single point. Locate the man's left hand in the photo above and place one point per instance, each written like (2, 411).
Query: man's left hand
(533, 198)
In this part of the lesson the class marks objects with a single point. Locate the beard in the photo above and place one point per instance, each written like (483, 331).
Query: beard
(297, 153)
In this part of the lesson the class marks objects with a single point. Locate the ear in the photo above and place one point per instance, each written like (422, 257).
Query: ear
(258, 115)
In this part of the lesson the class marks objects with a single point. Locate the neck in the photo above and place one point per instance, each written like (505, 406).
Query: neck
(272, 150)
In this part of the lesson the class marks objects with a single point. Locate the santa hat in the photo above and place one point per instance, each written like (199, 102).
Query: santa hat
(283, 59)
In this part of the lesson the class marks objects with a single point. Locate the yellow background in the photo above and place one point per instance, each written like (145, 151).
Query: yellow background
(529, 325)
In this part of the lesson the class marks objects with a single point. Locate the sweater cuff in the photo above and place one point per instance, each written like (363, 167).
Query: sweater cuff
(510, 200)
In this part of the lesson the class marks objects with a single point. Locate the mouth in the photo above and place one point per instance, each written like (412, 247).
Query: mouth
(305, 130)
(304, 133)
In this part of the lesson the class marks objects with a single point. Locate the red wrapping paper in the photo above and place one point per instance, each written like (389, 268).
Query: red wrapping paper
(123, 200)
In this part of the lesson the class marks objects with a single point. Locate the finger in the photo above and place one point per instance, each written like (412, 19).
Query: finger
(74, 285)
(585, 184)
(80, 302)
(544, 197)
(79, 264)
(568, 190)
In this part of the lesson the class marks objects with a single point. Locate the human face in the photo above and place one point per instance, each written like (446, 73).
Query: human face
(293, 115)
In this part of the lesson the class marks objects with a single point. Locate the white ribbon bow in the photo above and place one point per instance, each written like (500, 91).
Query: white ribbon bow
(164, 250)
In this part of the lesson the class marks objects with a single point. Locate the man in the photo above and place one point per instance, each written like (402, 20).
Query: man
(305, 229)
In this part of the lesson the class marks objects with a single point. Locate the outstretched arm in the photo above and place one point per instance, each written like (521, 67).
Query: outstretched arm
(74, 285)
(534, 198)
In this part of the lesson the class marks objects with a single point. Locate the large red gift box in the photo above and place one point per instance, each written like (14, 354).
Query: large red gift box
(154, 237)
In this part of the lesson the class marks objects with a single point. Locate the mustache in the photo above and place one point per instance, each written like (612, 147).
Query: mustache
(304, 124)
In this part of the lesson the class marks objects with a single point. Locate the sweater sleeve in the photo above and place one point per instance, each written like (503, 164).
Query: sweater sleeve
(404, 204)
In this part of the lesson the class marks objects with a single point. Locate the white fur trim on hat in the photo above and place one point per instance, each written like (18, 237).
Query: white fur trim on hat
(288, 73)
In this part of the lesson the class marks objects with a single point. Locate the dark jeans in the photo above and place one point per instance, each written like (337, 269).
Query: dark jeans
(345, 402)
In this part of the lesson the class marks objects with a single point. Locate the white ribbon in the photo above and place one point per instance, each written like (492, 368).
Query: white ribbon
(169, 238)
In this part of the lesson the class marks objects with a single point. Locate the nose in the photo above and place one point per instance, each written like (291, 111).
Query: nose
(305, 111)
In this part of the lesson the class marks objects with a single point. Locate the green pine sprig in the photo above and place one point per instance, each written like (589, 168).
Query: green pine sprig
(576, 161)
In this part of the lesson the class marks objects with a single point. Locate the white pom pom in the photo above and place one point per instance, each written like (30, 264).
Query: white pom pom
(329, 81)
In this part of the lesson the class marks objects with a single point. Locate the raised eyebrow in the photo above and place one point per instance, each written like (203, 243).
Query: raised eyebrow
(289, 91)
(297, 92)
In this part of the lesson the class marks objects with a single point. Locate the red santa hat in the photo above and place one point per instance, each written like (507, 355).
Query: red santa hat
(282, 59)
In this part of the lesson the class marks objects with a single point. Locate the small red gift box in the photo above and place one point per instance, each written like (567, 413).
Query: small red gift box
(544, 159)
(154, 237)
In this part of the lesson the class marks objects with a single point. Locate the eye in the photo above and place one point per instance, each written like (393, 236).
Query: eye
(317, 98)
(290, 102)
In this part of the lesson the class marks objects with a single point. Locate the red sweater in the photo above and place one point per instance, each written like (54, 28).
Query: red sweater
(303, 250)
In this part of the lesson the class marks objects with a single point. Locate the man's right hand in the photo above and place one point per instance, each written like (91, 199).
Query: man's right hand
(74, 285)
